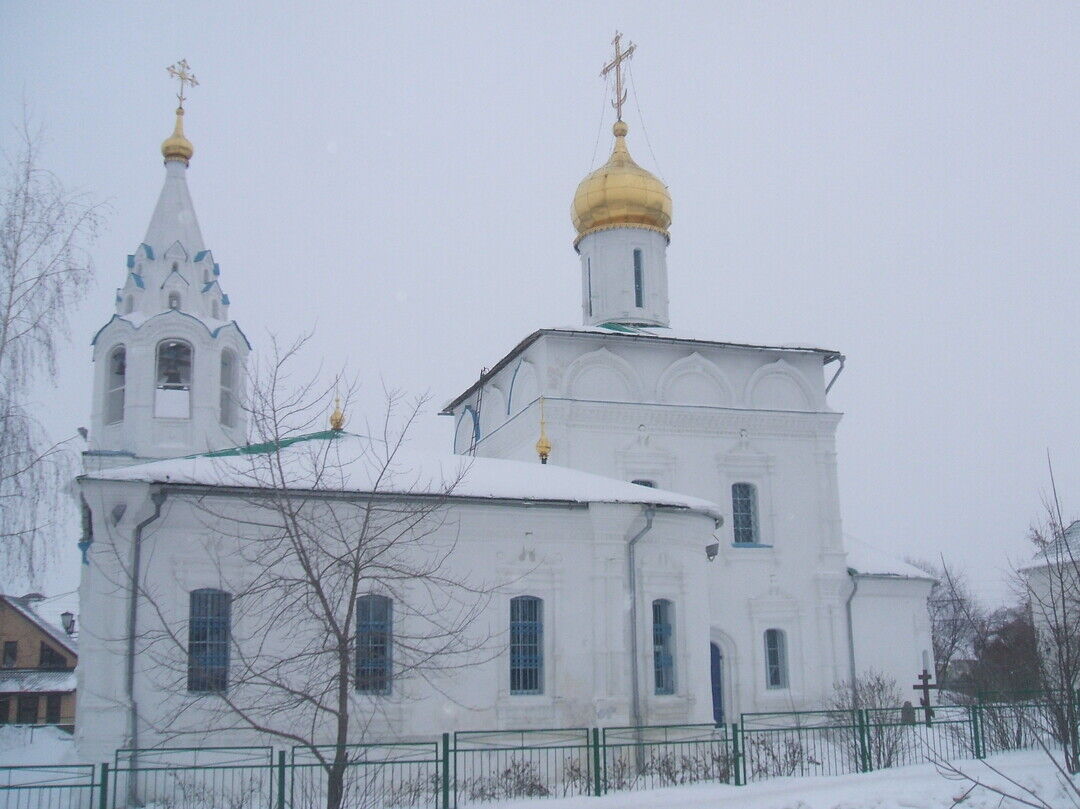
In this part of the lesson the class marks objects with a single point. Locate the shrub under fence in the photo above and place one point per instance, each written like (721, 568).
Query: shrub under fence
(648, 757)
(374, 776)
(193, 778)
(497, 765)
(62, 786)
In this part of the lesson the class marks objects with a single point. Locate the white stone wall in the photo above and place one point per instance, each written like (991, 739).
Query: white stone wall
(574, 557)
(697, 418)
(607, 277)
(892, 629)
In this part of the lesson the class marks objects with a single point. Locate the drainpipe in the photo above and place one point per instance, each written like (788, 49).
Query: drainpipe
(158, 498)
(853, 573)
(635, 684)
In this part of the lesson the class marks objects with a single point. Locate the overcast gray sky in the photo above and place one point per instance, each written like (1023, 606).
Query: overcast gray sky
(898, 181)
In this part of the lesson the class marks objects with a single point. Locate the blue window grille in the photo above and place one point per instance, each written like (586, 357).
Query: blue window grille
(744, 512)
(526, 645)
(639, 280)
(663, 646)
(374, 644)
(210, 616)
(776, 674)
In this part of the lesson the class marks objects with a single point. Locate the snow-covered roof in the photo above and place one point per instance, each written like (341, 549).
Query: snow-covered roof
(21, 681)
(1064, 548)
(620, 330)
(54, 631)
(352, 469)
(868, 560)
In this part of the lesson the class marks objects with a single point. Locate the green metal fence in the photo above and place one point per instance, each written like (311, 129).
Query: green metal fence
(55, 787)
(473, 767)
(367, 775)
(497, 765)
(635, 758)
(193, 778)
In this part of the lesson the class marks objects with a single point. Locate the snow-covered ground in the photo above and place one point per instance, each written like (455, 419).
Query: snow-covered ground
(916, 787)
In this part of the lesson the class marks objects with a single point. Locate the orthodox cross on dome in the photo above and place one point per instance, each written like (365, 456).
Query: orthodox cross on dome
(182, 72)
(616, 65)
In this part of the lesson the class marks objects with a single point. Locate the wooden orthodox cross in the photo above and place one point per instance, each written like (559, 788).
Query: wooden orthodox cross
(616, 65)
(182, 71)
(925, 686)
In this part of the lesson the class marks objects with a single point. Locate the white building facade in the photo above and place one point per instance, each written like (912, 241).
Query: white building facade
(679, 541)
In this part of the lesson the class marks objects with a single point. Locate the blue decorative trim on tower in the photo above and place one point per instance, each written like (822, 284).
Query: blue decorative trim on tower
(131, 261)
(138, 280)
(200, 255)
(148, 251)
(224, 299)
(217, 268)
(213, 332)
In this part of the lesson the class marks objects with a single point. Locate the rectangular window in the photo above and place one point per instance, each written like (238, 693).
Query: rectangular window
(52, 709)
(208, 640)
(11, 653)
(49, 658)
(744, 513)
(776, 675)
(526, 645)
(5, 709)
(639, 280)
(374, 644)
(663, 647)
(26, 709)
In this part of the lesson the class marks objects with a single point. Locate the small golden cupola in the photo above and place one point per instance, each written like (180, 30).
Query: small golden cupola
(621, 194)
(176, 146)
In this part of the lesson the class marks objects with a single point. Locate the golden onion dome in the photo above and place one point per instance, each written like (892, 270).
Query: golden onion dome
(176, 146)
(620, 193)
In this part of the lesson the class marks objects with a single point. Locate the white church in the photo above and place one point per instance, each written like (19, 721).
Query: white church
(656, 513)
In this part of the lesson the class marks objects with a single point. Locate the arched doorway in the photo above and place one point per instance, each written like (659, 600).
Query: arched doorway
(716, 668)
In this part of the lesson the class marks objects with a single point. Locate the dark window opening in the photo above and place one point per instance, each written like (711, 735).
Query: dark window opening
(374, 644)
(639, 280)
(11, 653)
(26, 709)
(52, 709)
(51, 659)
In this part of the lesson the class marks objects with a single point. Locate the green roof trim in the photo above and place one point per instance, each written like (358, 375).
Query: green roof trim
(620, 327)
(270, 446)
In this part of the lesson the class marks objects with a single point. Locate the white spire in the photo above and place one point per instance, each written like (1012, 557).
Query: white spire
(174, 217)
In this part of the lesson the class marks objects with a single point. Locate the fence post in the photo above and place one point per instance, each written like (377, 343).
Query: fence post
(103, 793)
(281, 779)
(976, 746)
(736, 755)
(862, 723)
(598, 785)
(446, 771)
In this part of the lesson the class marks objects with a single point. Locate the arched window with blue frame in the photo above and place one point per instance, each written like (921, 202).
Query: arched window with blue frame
(526, 645)
(776, 667)
(374, 644)
(663, 646)
(209, 630)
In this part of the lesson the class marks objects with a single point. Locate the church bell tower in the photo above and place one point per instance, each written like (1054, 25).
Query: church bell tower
(622, 214)
(168, 365)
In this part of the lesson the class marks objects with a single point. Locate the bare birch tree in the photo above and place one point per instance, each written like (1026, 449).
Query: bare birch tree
(333, 558)
(44, 271)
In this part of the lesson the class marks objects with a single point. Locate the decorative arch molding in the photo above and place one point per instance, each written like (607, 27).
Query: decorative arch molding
(176, 250)
(694, 380)
(778, 386)
(492, 410)
(467, 431)
(603, 375)
(524, 387)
